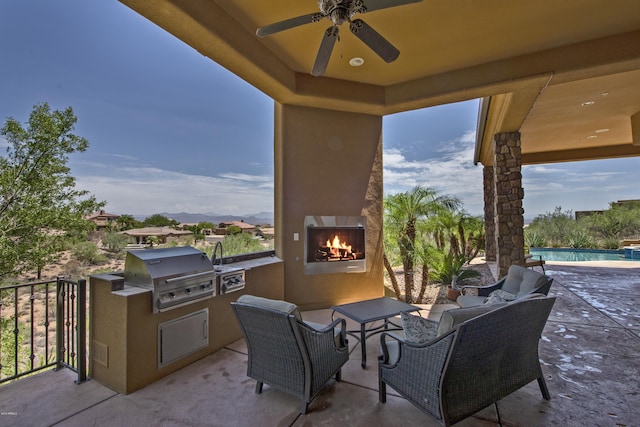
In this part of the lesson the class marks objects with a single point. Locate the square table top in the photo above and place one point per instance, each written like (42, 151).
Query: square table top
(374, 309)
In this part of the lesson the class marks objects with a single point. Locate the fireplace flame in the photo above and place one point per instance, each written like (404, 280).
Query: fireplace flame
(339, 249)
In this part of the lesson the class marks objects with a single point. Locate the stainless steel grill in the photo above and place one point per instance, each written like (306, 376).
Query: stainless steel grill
(176, 276)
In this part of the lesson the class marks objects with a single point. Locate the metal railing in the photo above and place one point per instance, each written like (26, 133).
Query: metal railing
(43, 324)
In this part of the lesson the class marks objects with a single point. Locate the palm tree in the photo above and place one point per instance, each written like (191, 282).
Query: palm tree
(126, 222)
(403, 214)
(463, 233)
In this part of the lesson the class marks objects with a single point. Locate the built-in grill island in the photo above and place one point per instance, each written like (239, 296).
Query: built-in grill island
(176, 276)
(168, 308)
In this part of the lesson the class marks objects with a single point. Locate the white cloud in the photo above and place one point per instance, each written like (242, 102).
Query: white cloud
(452, 172)
(145, 191)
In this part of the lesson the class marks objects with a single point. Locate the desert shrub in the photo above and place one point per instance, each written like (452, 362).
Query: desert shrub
(242, 243)
(533, 239)
(87, 252)
(115, 242)
(610, 243)
(580, 239)
(451, 266)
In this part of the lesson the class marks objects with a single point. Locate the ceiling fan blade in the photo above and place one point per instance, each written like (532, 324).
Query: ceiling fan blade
(324, 53)
(374, 40)
(372, 5)
(288, 23)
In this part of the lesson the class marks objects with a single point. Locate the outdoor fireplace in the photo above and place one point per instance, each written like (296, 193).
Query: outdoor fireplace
(334, 244)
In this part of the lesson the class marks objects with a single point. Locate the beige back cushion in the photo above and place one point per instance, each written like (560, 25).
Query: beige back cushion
(451, 318)
(522, 280)
(272, 304)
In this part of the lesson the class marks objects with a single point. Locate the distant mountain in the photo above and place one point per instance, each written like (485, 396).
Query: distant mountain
(255, 219)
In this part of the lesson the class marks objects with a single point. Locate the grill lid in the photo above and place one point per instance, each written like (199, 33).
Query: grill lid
(143, 267)
(176, 276)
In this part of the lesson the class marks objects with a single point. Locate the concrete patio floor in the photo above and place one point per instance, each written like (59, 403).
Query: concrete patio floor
(590, 353)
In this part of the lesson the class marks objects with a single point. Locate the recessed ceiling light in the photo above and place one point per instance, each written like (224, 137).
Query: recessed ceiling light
(587, 103)
(592, 136)
(356, 62)
(602, 130)
(605, 94)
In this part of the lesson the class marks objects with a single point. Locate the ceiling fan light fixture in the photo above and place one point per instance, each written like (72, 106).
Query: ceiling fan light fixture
(356, 62)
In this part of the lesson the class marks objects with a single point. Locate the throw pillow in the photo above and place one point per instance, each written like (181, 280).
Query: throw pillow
(499, 296)
(417, 329)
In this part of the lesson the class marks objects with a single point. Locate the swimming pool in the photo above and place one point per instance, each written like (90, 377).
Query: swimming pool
(564, 254)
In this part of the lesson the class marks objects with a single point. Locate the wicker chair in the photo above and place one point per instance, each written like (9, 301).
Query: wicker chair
(286, 353)
(518, 282)
(471, 366)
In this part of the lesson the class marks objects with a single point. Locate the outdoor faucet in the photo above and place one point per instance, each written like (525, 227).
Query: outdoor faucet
(213, 257)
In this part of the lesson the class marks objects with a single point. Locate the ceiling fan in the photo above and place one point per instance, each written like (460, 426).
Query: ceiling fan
(339, 12)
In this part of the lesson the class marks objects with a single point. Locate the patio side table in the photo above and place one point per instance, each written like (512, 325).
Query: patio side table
(369, 311)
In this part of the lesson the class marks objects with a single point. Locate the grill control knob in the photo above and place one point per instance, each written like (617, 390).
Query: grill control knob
(172, 295)
(187, 291)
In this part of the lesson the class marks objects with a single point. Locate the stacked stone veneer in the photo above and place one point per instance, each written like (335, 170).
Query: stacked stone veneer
(489, 213)
(509, 214)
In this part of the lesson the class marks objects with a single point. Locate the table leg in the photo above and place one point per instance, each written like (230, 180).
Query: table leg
(363, 344)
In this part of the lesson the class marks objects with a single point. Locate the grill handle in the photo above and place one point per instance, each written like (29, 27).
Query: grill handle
(187, 277)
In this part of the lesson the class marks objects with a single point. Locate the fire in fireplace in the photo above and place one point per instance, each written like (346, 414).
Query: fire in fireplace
(345, 245)
(334, 244)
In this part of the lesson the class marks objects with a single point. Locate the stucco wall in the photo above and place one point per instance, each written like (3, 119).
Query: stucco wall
(327, 163)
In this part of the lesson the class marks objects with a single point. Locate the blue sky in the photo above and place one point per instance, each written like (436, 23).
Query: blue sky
(171, 131)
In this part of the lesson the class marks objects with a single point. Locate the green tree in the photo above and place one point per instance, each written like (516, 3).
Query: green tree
(613, 224)
(157, 220)
(405, 214)
(40, 208)
(127, 222)
(555, 228)
(115, 242)
(233, 229)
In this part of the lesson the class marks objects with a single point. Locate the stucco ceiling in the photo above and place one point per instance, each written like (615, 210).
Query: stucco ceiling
(535, 62)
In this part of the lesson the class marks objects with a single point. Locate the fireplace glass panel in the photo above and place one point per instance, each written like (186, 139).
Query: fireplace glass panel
(331, 244)
(334, 244)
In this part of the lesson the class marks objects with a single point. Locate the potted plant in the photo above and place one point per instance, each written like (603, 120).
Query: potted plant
(450, 272)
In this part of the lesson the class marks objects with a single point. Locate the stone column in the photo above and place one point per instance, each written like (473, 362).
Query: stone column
(489, 213)
(509, 214)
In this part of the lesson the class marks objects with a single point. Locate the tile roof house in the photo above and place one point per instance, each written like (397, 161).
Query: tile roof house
(103, 219)
(164, 234)
(245, 227)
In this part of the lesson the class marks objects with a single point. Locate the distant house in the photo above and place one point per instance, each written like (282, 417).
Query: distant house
(164, 234)
(245, 227)
(619, 203)
(186, 225)
(103, 219)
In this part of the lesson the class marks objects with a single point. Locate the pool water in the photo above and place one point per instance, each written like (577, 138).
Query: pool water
(553, 254)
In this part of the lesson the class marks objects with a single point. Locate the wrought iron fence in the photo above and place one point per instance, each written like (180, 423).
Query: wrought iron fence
(43, 324)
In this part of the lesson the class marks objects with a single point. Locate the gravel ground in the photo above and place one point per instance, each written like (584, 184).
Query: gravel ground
(435, 293)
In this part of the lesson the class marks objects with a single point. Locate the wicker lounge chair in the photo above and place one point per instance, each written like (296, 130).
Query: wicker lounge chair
(286, 353)
(518, 282)
(470, 366)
